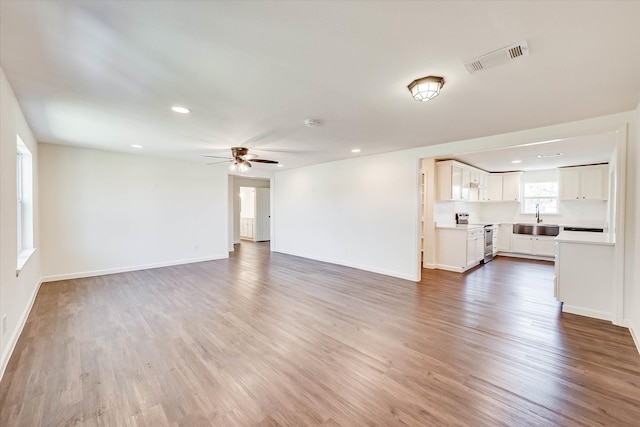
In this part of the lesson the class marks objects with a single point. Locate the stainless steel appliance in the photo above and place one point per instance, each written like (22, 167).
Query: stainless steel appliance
(488, 242)
(462, 218)
(587, 229)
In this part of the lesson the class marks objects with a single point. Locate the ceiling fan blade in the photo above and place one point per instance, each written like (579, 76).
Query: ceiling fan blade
(273, 162)
(223, 161)
(217, 157)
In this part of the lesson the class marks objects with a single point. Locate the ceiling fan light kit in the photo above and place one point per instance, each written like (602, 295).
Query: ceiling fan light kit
(239, 166)
(426, 88)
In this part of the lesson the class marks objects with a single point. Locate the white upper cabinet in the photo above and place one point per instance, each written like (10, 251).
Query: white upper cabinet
(584, 183)
(448, 181)
(494, 187)
(457, 181)
(454, 181)
(511, 186)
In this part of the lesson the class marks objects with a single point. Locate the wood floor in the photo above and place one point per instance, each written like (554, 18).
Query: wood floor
(268, 339)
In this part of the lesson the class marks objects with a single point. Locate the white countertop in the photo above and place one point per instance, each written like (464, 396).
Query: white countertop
(459, 226)
(586, 237)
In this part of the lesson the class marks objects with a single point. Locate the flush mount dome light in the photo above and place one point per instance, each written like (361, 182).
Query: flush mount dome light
(426, 88)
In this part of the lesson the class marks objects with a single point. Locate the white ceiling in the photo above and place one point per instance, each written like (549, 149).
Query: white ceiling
(104, 74)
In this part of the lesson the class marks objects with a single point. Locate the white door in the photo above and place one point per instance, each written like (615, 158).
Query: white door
(263, 215)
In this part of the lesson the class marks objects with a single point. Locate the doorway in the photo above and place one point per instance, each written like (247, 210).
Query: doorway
(256, 193)
(255, 214)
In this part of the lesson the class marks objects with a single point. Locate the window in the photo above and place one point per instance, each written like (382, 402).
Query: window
(20, 198)
(542, 194)
(24, 193)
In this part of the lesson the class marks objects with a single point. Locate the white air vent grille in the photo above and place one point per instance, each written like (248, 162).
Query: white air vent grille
(514, 52)
(498, 57)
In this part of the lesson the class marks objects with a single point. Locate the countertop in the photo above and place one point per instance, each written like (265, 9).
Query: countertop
(588, 238)
(460, 226)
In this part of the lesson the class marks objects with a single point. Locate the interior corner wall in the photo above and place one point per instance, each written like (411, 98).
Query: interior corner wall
(16, 293)
(105, 212)
(632, 291)
(360, 213)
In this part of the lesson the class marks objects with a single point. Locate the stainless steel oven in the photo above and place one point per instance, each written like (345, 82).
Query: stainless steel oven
(488, 242)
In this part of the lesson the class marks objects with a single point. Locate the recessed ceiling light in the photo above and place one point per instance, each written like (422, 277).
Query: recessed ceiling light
(179, 109)
(515, 162)
(355, 150)
(280, 166)
(311, 123)
(137, 146)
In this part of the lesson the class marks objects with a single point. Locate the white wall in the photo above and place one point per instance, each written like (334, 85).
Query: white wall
(106, 212)
(16, 293)
(632, 290)
(361, 213)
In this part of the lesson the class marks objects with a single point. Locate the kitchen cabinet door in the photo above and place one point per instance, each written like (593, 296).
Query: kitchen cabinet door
(504, 237)
(483, 191)
(448, 181)
(494, 188)
(544, 246)
(456, 183)
(511, 187)
(569, 184)
(522, 243)
(591, 183)
(475, 246)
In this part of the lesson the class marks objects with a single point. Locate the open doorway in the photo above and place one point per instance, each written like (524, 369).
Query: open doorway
(255, 214)
(249, 210)
(465, 184)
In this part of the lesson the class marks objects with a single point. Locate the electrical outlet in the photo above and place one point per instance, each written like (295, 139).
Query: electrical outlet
(196, 247)
(4, 324)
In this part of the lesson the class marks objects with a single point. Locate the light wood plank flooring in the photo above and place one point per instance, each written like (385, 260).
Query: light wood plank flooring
(268, 339)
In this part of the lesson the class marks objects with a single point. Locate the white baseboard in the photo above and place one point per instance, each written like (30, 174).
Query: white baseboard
(526, 256)
(450, 268)
(411, 277)
(636, 338)
(81, 274)
(429, 266)
(13, 340)
(603, 315)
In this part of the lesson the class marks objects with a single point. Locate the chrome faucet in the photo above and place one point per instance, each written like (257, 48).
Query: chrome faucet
(538, 219)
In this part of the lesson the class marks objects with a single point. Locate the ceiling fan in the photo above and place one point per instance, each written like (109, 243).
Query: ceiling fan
(240, 159)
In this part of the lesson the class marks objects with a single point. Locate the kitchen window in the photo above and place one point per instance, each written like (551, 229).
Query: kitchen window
(543, 194)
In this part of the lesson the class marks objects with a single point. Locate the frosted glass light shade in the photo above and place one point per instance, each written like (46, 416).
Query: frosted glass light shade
(426, 88)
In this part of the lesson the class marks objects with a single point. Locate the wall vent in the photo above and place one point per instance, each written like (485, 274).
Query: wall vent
(498, 57)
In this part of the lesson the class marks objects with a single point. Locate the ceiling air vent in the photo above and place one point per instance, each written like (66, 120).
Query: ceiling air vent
(498, 57)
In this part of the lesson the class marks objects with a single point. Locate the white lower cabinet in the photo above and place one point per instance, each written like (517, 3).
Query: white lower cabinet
(459, 249)
(544, 246)
(505, 231)
(475, 247)
(533, 245)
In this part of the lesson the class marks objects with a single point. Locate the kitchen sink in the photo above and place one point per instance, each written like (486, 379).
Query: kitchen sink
(536, 229)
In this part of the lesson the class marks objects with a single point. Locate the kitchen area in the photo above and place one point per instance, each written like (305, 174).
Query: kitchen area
(539, 202)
